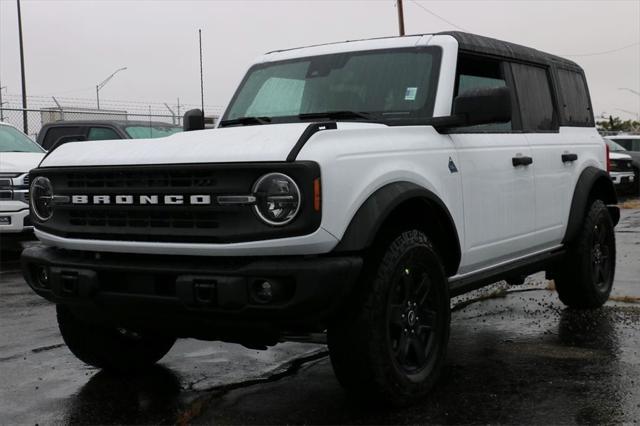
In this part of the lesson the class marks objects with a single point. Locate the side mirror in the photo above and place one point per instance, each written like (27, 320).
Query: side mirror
(193, 120)
(483, 106)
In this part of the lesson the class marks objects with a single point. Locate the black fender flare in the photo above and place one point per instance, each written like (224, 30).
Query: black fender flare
(593, 182)
(367, 221)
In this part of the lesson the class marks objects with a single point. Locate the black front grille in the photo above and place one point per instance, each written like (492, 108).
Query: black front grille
(26, 180)
(213, 222)
(149, 180)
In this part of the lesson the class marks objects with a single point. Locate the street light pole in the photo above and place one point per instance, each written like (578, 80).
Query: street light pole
(104, 82)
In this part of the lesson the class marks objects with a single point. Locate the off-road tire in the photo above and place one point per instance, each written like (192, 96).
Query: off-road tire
(109, 348)
(368, 341)
(585, 277)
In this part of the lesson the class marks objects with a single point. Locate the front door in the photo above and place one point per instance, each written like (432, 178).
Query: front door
(497, 178)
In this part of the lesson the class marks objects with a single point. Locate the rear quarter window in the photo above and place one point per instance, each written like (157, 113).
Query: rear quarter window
(574, 96)
(54, 133)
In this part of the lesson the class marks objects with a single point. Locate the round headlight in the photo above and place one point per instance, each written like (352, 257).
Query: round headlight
(41, 198)
(278, 198)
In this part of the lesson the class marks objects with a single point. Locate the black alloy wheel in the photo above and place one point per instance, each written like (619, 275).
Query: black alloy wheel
(413, 317)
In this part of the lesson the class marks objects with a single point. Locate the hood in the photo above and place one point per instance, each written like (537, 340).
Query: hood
(19, 162)
(618, 156)
(271, 142)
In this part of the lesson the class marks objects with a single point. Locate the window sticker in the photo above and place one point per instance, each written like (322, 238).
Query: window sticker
(410, 94)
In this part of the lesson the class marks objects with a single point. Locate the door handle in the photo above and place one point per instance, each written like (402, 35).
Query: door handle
(521, 161)
(569, 158)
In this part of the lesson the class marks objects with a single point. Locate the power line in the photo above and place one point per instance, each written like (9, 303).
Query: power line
(605, 52)
(438, 16)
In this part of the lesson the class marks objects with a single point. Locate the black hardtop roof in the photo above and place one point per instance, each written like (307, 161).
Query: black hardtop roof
(485, 45)
(118, 123)
(491, 46)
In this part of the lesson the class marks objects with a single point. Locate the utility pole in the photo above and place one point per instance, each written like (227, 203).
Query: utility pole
(25, 121)
(201, 78)
(400, 17)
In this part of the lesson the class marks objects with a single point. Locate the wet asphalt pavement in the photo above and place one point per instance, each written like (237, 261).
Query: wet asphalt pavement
(517, 356)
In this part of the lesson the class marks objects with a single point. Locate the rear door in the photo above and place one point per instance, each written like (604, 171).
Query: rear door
(553, 176)
(498, 189)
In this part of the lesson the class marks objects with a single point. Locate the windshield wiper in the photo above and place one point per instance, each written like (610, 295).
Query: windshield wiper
(245, 121)
(335, 115)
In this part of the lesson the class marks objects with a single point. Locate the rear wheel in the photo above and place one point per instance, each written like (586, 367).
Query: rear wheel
(110, 348)
(391, 344)
(585, 278)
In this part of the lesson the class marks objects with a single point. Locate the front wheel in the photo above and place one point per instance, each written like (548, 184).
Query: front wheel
(390, 344)
(110, 348)
(585, 278)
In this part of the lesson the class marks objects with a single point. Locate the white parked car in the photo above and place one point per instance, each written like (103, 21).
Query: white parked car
(18, 155)
(351, 187)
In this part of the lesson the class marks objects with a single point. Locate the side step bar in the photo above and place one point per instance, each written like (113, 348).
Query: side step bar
(520, 267)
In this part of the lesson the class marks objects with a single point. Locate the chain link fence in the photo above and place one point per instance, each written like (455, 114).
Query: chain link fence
(36, 118)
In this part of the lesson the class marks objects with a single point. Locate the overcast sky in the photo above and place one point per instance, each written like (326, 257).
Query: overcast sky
(70, 46)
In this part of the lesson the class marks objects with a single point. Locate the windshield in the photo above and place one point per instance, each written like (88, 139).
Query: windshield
(13, 140)
(373, 85)
(614, 147)
(150, 132)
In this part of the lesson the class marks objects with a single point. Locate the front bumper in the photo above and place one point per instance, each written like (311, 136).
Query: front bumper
(622, 178)
(319, 242)
(202, 297)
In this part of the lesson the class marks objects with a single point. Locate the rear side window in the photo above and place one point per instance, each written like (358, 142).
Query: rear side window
(534, 95)
(102, 134)
(575, 106)
(54, 134)
(480, 73)
(629, 144)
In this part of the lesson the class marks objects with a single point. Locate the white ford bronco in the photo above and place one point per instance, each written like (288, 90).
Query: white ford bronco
(351, 188)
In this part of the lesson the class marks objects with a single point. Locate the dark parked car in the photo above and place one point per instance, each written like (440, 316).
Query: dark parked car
(55, 134)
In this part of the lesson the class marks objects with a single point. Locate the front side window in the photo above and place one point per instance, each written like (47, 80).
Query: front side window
(376, 85)
(480, 73)
(534, 96)
(13, 140)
